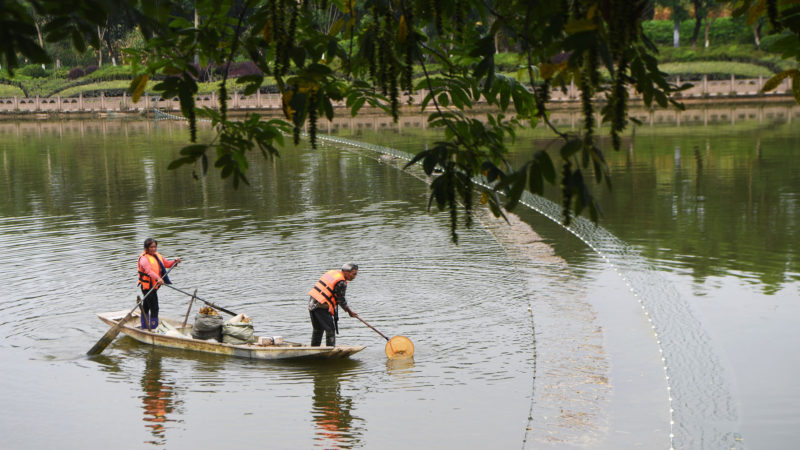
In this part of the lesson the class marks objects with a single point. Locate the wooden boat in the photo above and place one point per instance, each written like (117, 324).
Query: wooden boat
(183, 340)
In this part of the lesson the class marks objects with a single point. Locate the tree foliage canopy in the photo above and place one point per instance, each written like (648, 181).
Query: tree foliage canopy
(368, 52)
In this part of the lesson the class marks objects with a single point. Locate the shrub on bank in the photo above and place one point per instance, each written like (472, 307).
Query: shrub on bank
(109, 73)
(75, 73)
(714, 70)
(32, 71)
(8, 90)
(732, 53)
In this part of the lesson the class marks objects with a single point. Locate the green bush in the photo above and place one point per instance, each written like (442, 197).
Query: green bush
(61, 72)
(7, 90)
(768, 41)
(32, 71)
(109, 72)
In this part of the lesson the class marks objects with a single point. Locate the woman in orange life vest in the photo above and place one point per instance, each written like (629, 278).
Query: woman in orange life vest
(152, 272)
(325, 297)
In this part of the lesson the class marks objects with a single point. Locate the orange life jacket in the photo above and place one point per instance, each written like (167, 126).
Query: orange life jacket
(323, 290)
(144, 278)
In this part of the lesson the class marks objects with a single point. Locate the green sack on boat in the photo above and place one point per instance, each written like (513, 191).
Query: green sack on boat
(207, 326)
(237, 333)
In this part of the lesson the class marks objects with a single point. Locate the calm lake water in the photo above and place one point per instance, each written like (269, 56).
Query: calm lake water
(526, 337)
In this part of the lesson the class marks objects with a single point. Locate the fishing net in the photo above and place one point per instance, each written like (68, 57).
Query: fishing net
(399, 347)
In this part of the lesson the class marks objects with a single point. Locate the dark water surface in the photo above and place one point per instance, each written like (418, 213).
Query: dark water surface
(521, 341)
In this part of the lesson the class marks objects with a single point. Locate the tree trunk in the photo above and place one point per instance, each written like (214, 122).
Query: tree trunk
(196, 25)
(676, 34)
(38, 32)
(99, 47)
(757, 35)
(699, 15)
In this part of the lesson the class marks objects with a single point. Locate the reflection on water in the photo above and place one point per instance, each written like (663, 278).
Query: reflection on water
(400, 368)
(157, 401)
(332, 410)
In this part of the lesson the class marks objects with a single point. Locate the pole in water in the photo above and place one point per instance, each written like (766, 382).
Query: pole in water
(397, 347)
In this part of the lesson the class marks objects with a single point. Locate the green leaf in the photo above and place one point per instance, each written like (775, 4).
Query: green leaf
(545, 165)
(137, 87)
(328, 108)
(517, 188)
(776, 79)
(180, 162)
(570, 148)
(336, 27)
(194, 151)
(429, 163)
(356, 105)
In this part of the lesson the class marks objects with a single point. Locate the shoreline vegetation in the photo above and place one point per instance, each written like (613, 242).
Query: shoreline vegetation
(732, 90)
(729, 63)
(729, 49)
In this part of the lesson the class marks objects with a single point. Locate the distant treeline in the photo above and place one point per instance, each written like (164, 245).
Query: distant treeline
(721, 31)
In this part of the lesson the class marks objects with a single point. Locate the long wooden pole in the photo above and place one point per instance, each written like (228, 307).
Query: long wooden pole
(185, 319)
(365, 323)
(211, 304)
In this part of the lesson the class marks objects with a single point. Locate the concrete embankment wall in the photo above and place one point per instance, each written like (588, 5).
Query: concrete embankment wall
(730, 89)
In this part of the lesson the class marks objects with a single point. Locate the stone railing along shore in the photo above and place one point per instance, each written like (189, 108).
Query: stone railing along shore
(732, 88)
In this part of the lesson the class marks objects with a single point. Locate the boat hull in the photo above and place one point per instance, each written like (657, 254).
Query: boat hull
(285, 350)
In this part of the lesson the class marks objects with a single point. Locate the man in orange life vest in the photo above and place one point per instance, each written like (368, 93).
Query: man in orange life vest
(152, 272)
(325, 297)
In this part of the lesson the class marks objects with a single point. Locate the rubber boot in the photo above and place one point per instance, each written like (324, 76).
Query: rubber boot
(316, 338)
(144, 319)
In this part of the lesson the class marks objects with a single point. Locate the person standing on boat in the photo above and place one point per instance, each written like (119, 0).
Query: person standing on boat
(152, 273)
(325, 297)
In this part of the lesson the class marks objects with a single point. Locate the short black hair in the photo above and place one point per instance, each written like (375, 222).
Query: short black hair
(148, 242)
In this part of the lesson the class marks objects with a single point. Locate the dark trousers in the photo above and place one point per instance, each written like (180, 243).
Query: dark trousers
(150, 309)
(322, 321)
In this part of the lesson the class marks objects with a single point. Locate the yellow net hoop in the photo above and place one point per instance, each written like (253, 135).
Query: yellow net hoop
(399, 347)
